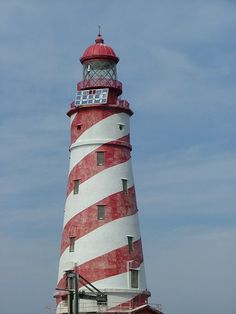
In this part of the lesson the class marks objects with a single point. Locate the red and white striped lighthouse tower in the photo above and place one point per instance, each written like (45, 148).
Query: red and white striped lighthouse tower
(101, 239)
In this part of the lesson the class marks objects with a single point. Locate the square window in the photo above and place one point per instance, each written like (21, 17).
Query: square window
(101, 212)
(76, 186)
(100, 158)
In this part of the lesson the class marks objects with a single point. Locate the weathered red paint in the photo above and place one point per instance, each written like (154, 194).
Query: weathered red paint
(116, 106)
(138, 300)
(87, 167)
(108, 265)
(87, 116)
(118, 205)
(99, 51)
(86, 120)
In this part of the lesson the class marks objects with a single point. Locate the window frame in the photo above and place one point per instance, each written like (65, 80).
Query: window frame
(100, 158)
(130, 243)
(125, 185)
(76, 186)
(72, 244)
(134, 278)
(101, 212)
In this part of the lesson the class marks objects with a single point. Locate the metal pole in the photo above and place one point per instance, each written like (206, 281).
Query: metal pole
(70, 295)
(76, 299)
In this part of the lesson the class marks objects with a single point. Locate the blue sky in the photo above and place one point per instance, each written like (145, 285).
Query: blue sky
(177, 64)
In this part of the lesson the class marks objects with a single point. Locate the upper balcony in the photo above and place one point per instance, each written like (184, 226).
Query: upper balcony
(121, 103)
(100, 83)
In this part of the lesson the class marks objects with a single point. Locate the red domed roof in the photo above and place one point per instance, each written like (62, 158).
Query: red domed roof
(99, 50)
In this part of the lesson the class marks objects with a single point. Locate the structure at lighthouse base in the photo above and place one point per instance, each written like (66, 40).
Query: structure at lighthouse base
(101, 266)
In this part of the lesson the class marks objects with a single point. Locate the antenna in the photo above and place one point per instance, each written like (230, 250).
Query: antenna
(99, 30)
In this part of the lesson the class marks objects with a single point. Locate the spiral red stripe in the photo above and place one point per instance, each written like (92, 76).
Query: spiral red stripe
(110, 264)
(101, 237)
(118, 257)
(86, 221)
(138, 300)
(87, 167)
(85, 120)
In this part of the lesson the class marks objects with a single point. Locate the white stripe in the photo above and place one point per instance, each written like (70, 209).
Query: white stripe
(115, 298)
(79, 153)
(72, 117)
(103, 240)
(102, 132)
(97, 188)
(107, 128)
(121, 281)
(119, 294)
(116, 288)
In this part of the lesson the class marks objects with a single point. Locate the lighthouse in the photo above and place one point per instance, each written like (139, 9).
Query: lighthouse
(101, 267)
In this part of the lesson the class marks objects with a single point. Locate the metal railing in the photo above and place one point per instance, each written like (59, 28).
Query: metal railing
(99, 82)
(122, 103)
(112, 307)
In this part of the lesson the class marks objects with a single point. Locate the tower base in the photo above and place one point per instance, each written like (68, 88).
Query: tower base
(143, 309)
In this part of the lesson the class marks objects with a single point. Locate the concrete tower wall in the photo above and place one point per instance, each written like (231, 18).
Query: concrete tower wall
(101, 252)
(101, 239)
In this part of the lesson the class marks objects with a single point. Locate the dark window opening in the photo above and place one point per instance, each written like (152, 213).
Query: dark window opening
(130, 243)
(125, 185)
(76, 186)
(72, 244)
(79, 127)
(100, 158)
(134, 278)
(101, 212)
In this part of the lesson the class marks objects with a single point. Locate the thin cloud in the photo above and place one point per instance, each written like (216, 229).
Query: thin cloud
(178, 69)
(188, 183)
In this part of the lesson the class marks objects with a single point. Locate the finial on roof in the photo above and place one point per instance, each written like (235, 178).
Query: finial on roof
(99, 39)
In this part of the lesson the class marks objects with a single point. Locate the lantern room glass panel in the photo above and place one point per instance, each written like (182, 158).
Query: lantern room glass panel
(99, 69)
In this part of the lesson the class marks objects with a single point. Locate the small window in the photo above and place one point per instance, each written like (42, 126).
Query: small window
(101, 212)
(125, 185)
(130, 243)
(79, 126)
(72, 244)
(134, 278)
(121, 126)
(76, 186)
(100, 158)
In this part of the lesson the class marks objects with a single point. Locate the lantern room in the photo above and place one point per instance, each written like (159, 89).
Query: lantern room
(99, 68)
